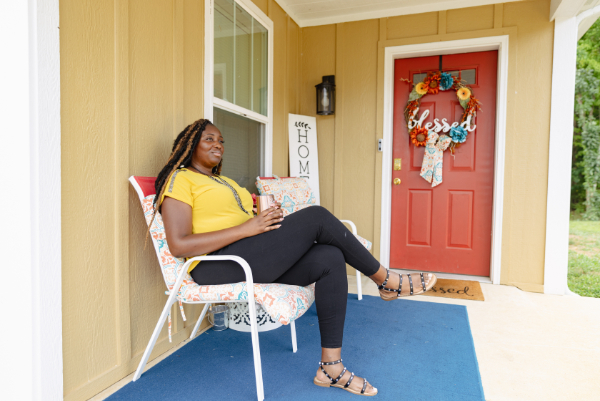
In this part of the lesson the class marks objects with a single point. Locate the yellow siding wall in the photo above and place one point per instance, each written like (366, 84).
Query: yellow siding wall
(131, 80)
(349, 162)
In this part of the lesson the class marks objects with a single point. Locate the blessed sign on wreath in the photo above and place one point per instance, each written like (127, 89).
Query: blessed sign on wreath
(427, 135)
(432, 84)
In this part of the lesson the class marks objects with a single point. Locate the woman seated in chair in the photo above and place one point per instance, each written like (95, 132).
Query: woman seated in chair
(206, 213)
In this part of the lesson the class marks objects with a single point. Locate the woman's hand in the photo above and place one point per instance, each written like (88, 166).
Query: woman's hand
(266, 221)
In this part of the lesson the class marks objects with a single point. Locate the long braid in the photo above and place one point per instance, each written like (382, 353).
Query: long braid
(217, 169)
(181, 155)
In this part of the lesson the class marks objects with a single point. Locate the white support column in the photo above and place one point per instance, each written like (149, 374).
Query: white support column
(559, 166)
(31, 342)
(16, 369)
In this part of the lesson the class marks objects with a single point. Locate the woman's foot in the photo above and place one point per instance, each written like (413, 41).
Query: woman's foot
(402, 285)
(355, 387)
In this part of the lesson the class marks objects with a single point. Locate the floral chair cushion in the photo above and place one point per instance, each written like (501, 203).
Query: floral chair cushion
(284, 303)
(294, 194)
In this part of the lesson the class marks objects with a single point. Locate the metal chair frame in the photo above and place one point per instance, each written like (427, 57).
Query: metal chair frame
(173, 298)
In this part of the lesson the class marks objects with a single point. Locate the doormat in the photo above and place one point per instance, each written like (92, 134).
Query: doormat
(458, 289)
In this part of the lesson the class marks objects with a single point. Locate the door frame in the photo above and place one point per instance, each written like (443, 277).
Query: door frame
(392, 53)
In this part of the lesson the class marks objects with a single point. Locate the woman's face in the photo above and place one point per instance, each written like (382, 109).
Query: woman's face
(210, 149)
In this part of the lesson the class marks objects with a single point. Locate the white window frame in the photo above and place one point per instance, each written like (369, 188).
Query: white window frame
(210, 101)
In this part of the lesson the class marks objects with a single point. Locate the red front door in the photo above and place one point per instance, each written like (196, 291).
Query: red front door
(447, 228)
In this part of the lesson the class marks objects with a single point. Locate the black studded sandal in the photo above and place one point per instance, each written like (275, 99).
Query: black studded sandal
(389, 294)
(334, 382)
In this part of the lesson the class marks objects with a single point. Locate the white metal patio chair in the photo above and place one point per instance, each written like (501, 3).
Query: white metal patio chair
(295, 194)
(284, 303)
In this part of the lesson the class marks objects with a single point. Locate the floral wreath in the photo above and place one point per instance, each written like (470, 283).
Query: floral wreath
(433, 83)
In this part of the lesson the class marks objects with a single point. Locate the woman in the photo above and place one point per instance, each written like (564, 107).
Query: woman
(206, 213)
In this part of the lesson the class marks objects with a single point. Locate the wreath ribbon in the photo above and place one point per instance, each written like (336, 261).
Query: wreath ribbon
(433, 160)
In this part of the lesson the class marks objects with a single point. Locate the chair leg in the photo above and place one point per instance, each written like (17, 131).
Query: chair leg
(359, 285)
(260, 391)
(294, 343)
(155, 333)
(200, 319)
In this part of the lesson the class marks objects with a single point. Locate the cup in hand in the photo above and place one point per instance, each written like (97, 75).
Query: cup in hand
(263, 202)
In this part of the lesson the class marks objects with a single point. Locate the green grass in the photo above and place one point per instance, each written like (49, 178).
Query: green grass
(584, 258)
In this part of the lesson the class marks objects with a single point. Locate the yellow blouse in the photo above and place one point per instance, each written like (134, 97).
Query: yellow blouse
(214, 206)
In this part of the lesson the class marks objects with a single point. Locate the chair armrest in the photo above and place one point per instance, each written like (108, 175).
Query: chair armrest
(240, 261)
(351, 224)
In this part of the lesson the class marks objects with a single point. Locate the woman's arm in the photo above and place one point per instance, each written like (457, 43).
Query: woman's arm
(177, 217)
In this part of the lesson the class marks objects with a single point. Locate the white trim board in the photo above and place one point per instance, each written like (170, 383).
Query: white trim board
(370, 10)
(32, 362)
(392, 53)
(559, 158)
(210, 101)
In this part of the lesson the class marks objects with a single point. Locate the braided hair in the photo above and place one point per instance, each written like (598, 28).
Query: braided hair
(181, 156)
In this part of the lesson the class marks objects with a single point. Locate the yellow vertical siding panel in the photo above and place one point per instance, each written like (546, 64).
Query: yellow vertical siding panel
(193, 92)
(263, 5)
(317, 60)
(151, 136)
(121, 194)
(280, 113)
(442, 22)
(470, 19)
(358, 47)
(193, 59)
(498, 15)
(338, 145)
(411, 26)
(527, 145)
(87, 117)
(293, 57)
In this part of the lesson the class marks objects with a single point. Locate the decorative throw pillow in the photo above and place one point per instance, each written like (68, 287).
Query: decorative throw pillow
(293, 193)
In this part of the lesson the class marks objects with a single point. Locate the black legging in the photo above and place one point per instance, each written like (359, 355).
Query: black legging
(289, 255)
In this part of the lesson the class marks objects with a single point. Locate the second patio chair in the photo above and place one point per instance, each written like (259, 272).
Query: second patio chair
(295, 194)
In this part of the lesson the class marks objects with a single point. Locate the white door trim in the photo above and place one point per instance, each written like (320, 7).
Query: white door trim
(210, 101)
(31, 158)
(392, 53)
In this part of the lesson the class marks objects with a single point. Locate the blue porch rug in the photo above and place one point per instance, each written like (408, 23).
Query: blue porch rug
(409, 350)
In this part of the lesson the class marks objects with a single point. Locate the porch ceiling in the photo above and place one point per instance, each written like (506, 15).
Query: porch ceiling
(322, 12)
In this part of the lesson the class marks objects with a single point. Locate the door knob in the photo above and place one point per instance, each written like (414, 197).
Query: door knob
(397, 181)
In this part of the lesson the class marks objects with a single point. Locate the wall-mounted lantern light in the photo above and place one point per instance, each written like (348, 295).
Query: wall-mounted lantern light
(326, 96)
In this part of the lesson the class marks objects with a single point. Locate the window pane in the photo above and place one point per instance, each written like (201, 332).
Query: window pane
(241, 57)
(419, 77)
(243, 159)
(260, 71)
(468, 77)
(224, 50)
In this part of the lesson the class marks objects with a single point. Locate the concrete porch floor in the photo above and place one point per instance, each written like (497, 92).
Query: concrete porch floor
(530, 346)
